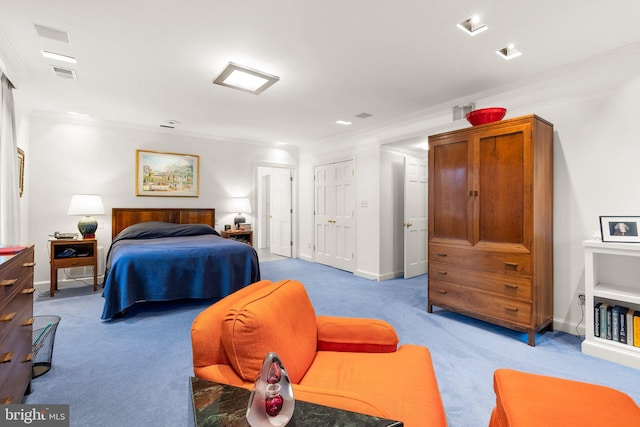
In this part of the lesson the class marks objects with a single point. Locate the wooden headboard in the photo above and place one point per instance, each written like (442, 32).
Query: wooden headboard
(121, 218)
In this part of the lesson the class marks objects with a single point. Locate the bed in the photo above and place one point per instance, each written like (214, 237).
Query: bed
(172, 254)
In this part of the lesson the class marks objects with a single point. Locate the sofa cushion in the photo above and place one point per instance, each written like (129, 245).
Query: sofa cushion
(356, 335)
(277, 318)
(403, 383)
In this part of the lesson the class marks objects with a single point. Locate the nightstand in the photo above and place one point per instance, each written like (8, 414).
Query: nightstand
(73, 253)
(242, 236)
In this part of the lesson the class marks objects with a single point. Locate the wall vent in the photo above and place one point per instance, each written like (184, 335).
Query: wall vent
(52, 33)
(64, 73)
(460, 111)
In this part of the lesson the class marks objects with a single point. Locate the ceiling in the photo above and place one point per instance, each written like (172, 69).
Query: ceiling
(146, 62)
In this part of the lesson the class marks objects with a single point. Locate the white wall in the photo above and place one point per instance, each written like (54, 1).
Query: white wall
(68, 156)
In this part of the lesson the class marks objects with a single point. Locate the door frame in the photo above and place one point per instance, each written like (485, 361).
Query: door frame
(294, 201)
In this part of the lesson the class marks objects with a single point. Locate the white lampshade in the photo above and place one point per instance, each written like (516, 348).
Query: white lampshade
(86, 204)
(240, 205)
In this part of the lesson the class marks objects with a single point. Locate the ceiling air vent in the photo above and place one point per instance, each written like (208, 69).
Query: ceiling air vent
(52, 33)
(64, 73)
(460, 111)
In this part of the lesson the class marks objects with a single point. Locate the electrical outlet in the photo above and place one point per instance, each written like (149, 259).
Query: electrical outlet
(580, 299)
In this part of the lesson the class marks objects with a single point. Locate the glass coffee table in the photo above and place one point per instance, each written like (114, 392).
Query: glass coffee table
(217, 405)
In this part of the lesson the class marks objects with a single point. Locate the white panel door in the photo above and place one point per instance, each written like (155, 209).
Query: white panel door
(415, 216)
(335, 215)
(280, 212)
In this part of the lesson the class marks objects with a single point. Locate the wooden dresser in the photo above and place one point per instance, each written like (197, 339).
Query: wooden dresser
(491, 223)
(16, 320)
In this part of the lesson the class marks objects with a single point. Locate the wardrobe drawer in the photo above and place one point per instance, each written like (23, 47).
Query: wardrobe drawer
(479, 303)
(495, 262)
(508, 285)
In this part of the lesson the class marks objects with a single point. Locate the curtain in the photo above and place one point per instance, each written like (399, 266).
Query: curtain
(9, 185)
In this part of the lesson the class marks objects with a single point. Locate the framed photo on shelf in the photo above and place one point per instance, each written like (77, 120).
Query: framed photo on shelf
(167, 174)
(620, 229)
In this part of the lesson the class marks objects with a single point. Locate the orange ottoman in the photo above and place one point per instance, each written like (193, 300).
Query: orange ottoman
(524, 399)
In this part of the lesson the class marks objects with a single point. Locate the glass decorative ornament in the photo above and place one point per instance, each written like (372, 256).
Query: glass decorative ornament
(271, 403)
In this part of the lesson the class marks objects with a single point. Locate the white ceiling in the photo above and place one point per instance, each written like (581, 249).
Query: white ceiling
(145, 62)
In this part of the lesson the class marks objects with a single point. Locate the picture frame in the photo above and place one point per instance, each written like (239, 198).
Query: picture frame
(165, 174)
(620, 229)
(21, 171)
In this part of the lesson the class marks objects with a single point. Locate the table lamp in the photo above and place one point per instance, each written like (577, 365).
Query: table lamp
(242, 206)
(86, 205)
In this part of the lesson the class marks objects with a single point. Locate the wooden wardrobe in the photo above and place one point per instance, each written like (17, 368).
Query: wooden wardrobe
(491, 223)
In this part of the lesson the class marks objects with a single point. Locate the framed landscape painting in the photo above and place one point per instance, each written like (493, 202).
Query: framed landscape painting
(620, 229)
(167, 174)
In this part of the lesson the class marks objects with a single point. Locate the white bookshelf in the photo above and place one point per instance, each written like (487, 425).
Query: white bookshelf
(612, 274)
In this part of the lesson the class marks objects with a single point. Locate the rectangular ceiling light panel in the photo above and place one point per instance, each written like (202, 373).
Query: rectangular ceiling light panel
(59, 57)
(246, 79)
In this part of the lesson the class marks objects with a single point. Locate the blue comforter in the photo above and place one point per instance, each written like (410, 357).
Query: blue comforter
(157, 261)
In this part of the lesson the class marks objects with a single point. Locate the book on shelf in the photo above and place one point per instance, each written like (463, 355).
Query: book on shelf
(636, 328)
(609, 322)
(603, 319)
(622, 324)
(615, 323)
(596, 319)
(630, 329)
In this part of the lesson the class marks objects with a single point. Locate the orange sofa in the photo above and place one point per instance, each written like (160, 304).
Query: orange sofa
(348, 363)
(530, 400)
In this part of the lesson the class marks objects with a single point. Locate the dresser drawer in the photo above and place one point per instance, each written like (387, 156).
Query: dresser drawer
(17, 312)
(479, 303)
(507, 285)
(495, 262)
(14, 274)
(15, 354)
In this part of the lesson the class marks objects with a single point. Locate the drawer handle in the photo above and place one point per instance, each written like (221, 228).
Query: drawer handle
(442, 291)
(7, 317)
(511, 265)
(8, 282)
(28, 322)
(28, 290)
(6, 357)
(7, 400)
(442, 255)
(29, 264)
(442, 273)
(28, 358)
(510, 286)
(511, 309)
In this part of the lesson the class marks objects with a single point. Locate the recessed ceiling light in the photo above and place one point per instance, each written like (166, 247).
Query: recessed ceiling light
(58, 57)
(73, 113)
(509, 52)
(343, 122)
(472, 26)
(280, 143)
(244, 78)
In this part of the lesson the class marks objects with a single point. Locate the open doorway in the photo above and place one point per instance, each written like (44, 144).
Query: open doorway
(274, 213)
